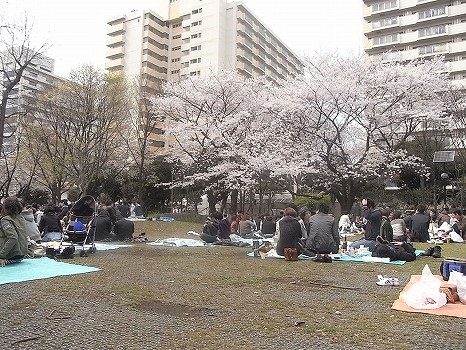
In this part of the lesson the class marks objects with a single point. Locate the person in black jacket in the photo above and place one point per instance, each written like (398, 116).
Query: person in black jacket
(50, 226)
(103, 225)
(372, 230)
(123, 229)
(395, 251)
(420, 225)
(290, 231)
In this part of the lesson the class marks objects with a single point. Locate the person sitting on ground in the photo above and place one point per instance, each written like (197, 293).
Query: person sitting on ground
(125, 210)
(63, 208)
(323, 234)
(290, 232)
(224, 227)
(372, 230)
(50, 226)
(419, 225)
(103, 226)
(210, 231)
(386, 230)
(398, 226)
(344, 224)
(30, 225)
(246, 226)
(268, 227)
(458, 224)
(304, 217)
(123, 229)
(13, 237)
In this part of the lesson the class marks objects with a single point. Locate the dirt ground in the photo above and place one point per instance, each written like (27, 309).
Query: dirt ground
(153, 297)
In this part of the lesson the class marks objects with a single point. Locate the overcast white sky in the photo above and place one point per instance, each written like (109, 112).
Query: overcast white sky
(77, 29)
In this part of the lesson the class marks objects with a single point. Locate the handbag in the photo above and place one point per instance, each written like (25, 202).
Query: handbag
(291, 254)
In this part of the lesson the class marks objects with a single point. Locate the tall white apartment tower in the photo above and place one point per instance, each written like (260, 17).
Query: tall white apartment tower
(408, 29)
(178, 38)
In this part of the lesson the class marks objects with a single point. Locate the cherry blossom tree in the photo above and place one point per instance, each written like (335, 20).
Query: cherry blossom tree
(208, 118)
(349, 117)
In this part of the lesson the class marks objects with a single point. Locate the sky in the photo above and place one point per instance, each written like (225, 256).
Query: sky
(76, 30)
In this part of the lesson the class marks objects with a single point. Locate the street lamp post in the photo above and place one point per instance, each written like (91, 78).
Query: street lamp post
(444, 177)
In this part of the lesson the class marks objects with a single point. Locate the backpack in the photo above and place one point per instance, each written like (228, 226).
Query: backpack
(449, 265)
(386, 230)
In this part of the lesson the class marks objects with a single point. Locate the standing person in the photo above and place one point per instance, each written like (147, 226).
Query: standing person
(419, 225)
(50, 226)
(13, 237)
(372, 230)
(290, 231)
(138, 210)
(398, 226)
(323, 234)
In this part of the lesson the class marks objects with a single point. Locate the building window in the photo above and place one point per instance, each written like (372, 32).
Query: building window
(176, 71)
(197, 35)
(155, 143)
(176, 48)
(384, 5)
(196, 23)
(176, 25)
(385, 22)
(199, 10)
(195, 48)
(438, 11)
(176, 36)
(175, 59)
(435, 30)
(385, 39)
(196, 60)
(432, 49)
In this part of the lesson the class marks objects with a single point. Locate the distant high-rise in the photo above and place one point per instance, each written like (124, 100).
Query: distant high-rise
(37, 75)
(408, 29)
(191, 37)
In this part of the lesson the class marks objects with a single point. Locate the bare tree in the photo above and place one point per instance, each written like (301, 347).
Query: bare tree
(17, 53)
(78, 125)
(145, 124)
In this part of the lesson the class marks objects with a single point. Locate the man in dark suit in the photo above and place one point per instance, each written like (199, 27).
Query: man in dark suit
(420, 225)
(123, 229)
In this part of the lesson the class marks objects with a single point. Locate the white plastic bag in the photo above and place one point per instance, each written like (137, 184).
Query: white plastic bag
(456, 237)
(425, 294)
(459, 280)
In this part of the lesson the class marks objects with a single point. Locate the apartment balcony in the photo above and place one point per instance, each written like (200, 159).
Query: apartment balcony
(456, 66)
(456, 10)
(457, 47)
(115, 52)
(117, 63)
(116, 40)
(116, 29)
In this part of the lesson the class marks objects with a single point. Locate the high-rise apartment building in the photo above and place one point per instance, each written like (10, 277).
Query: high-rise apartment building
(408, 29)
(190, 37)
(38, 74)
(179, 38)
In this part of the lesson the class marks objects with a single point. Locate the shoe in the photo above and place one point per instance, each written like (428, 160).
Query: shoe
(387, 281)
(437, 252)
(327, 259)
(319, 258)
(428, 252)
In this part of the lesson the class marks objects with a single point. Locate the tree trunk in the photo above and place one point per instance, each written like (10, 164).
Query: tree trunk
(233, 202)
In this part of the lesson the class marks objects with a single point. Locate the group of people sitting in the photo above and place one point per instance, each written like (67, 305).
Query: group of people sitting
(314, 234)
(21, 224)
